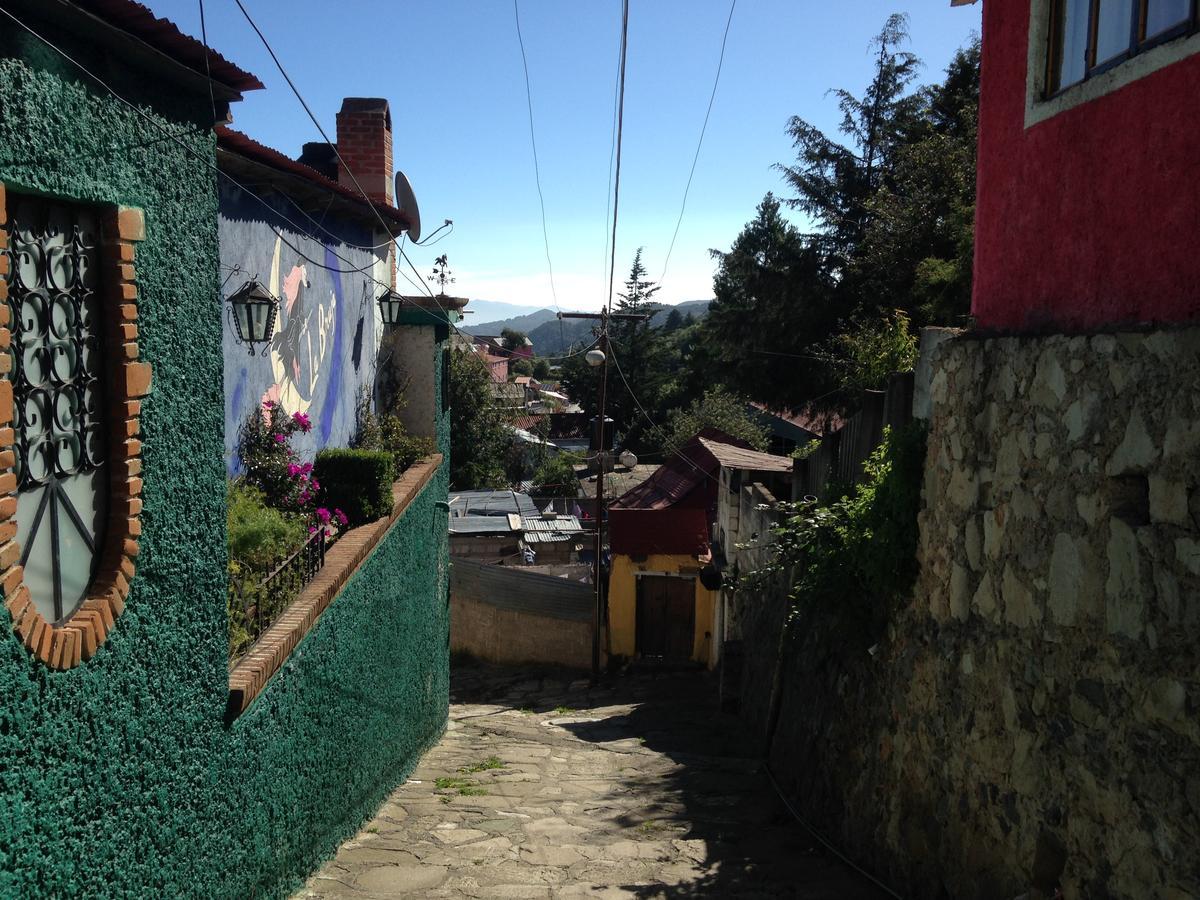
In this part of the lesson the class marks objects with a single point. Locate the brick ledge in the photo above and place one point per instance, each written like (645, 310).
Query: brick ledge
(250, 676)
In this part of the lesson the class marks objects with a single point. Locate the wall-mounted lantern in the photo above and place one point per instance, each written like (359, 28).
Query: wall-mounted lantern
(253, 309)
(390, 305)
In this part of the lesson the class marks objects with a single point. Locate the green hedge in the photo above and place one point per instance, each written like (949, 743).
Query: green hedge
(358, 482)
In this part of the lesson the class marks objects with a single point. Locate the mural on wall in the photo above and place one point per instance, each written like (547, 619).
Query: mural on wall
(326, 337)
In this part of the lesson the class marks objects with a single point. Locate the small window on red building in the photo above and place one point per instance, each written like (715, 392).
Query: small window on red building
(1088, 37)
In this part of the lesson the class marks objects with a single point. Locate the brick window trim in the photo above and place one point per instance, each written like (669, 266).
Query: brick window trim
(78, 637)
(249, 677)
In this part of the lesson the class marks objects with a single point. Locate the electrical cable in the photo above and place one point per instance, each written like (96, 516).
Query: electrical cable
(332, 144)
(608, 184)
(537, 175)
(825, 842)
(657, 428)
(620, 135)
(700, 143)
(211, 164)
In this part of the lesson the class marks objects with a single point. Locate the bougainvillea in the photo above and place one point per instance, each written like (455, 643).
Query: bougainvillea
(272, 466)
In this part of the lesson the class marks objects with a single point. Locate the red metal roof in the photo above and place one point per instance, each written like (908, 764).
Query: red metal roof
(243, 145)
(164, 36)
(811, 419)
(696, 465)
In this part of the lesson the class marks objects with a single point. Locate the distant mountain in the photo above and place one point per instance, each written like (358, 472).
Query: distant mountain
(553, 336)
(485, 313)
(526, 323)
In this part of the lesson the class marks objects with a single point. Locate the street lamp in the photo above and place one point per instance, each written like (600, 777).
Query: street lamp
(594, 358)
(390, 305)
(253, 309)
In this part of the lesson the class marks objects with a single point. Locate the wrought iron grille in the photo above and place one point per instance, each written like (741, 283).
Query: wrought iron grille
(254, 606)
(56, 375)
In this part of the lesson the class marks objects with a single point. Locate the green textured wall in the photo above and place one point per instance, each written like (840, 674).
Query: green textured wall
(441, 343)
(118, 777)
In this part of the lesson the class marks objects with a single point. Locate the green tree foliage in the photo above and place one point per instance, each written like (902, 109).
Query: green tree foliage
(871, 351)
(520, 366)
(716, 409)
(836, 182)
(918, 248)
(555, 477)
(892, 199)
(773, 306)
(541, 370)
(478, 439)
(513, 340)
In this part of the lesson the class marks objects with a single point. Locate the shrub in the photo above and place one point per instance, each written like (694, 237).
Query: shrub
(259, 536)
(359, 482)
(405, 448)
(555, 477)
(270, 463)
(858, 554)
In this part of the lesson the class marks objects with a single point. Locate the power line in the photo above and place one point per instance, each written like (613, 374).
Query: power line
(209, 163)
(537, 175)
(332, 144)
(700, 143)
(620, 134)
(608, 184)
(657, 428)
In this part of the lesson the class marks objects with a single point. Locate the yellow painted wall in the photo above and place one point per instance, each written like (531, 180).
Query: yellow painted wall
(622, 604)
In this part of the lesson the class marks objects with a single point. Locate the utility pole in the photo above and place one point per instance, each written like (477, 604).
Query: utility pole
(601, 360)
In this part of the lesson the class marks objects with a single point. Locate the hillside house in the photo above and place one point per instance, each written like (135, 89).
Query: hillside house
(301, 233)
(137, 761)
(663, 590)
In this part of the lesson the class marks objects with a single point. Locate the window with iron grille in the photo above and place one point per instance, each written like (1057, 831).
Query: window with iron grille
(1088, 37)
(57, 379)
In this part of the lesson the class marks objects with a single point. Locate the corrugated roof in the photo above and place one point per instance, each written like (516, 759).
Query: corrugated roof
(244, 145)
(165, 37)
(549, 531)
(732, 457)
(492, 503)
(485, 524)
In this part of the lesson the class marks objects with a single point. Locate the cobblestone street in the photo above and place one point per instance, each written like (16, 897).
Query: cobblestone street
(542, 788)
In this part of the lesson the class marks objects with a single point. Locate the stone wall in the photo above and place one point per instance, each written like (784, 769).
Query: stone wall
(514, 616)
(1031, 715)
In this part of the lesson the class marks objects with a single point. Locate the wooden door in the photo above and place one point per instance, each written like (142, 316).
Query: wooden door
(666, 617)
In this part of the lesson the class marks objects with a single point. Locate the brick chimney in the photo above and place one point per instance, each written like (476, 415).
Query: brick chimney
(364, 141)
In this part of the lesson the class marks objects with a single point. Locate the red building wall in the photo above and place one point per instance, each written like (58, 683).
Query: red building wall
(1090, 218)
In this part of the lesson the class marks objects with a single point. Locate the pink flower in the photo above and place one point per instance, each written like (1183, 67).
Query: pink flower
(312, 529)
(302, 422)
(323, 515)
(316, 486)
(293, 470)
(306, 468)
(268, 404)
(341, 517)
(281, 438)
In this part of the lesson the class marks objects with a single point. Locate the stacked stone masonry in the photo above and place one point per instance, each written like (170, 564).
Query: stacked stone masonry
(1030, 718)
(76, 639)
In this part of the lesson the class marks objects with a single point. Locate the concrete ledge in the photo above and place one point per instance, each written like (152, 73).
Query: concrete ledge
(248, 678)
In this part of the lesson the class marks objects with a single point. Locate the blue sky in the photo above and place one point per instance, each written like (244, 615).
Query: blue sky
(452, 72)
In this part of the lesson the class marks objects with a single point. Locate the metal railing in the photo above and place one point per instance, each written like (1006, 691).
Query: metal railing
(255, 605)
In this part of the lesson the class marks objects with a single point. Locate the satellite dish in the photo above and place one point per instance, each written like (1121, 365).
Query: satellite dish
(406, 202)
(628, 459)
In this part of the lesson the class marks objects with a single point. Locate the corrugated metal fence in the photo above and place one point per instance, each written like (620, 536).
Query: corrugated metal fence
(841, 455)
